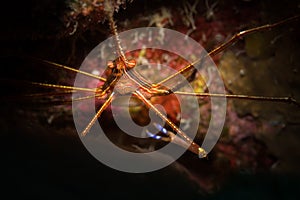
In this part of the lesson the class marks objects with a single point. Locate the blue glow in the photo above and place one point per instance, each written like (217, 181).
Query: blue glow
(157, 137)
(160, 128)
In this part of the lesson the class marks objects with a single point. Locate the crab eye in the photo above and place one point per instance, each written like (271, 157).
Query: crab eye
(110, 64)
(131, 63)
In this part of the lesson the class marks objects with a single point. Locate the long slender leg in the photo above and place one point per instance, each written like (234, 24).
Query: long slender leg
(170, 137)
(240, 96)
(195, 148)
(50, 99)
(51, 94)
(68, 101)
(65, 87)
(70, 69)
(49, 85)
(228, 43)
(113, 29)
(156, 90)
(43, 94)
(97, 115)
(241, 34)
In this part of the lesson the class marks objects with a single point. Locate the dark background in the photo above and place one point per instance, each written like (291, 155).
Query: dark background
(40, 160)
